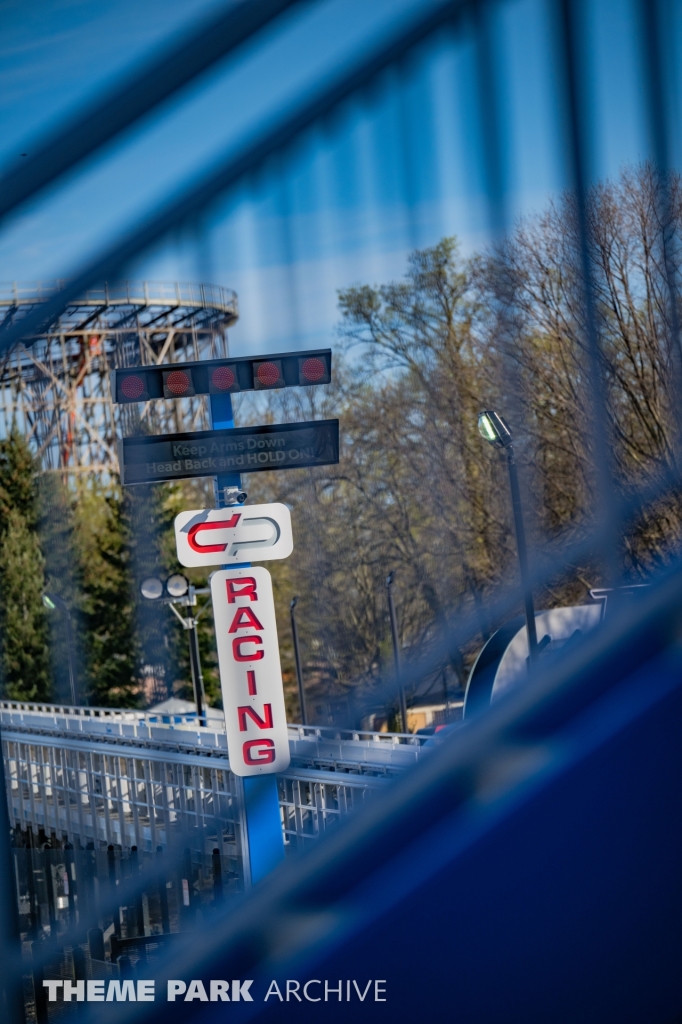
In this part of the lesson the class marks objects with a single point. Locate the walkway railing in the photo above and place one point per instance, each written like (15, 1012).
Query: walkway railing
(127, 778)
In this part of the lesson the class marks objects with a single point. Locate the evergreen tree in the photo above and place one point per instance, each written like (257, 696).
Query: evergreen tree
(17, 480)
(106, 602)
(58, 545)
(149, 521)
(24, 641)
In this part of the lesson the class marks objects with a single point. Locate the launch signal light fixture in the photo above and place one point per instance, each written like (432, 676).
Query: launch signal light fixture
(222, 376)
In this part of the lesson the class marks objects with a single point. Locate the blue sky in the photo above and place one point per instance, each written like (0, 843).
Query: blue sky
(397, 168)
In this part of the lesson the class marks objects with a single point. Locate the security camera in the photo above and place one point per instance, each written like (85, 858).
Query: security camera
(234, 496)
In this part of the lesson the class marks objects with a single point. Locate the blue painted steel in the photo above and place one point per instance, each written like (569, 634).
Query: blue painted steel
(261, 802)
(222, 418)
(222, 413)
(264, 825)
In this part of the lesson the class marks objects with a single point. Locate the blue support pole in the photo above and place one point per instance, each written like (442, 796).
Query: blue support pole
(263, 824)
(222, 418)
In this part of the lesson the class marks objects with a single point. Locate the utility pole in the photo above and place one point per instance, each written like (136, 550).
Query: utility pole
(180, 591)
(520, 531)
(396, 651)
(297, 658)
(496, 432)
(190, 625)
(52, 602)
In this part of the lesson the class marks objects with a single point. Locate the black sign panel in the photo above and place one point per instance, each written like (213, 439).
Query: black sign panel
(145, 460)
(222, 376)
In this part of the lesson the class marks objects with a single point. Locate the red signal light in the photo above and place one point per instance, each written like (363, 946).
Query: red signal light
(178, 382)
(219, 376)
(313, 369)
(268, 374)
(132, 386)
(223, 378)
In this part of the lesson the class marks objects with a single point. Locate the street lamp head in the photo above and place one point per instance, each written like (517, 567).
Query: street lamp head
(49, 603)
(151, 588)
(294, 602)
(493, 428)
(177, 585)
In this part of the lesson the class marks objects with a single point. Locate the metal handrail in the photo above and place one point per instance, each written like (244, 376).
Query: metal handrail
(125, 293)
(187, 720)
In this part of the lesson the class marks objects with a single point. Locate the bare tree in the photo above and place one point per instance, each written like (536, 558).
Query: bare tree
(417, 491)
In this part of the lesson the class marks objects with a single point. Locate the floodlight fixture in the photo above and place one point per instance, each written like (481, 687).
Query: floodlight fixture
(177, 585)
(493, 428)
(151, 588)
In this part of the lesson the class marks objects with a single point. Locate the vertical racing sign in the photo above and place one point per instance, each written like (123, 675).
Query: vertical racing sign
(250, 671)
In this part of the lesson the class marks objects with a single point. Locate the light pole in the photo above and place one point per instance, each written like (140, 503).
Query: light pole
(180, 591)
(297, 658)
(396, 650)
(493, 428)
(53, 602)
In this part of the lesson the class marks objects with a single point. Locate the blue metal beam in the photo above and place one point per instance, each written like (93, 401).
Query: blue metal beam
(159, 79)
(191, 201)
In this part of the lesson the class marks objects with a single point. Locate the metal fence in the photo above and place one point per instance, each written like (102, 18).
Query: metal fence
(114, 780)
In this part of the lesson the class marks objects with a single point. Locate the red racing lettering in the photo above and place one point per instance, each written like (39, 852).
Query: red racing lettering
(239, 641)
(262, 723)
(248, 585)
(251, 680)
(244, 619)
(266, 749)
